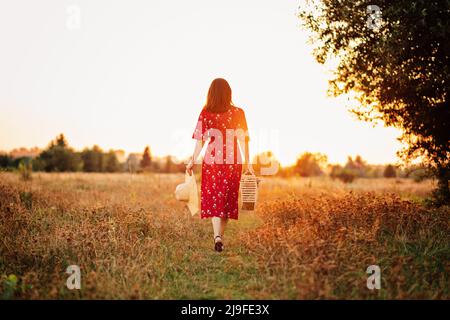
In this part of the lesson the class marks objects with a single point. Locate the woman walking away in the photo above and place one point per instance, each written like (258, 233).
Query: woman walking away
(222, 124)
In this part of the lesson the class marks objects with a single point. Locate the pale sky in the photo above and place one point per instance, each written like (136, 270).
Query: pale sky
(135, 73)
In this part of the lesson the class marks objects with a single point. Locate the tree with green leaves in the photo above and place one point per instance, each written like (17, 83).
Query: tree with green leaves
(6, 161)
(394, 59)
(111, 162)
(60, 157)
(93, 159)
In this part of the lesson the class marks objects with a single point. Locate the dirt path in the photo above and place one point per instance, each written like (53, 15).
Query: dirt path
(232, 274)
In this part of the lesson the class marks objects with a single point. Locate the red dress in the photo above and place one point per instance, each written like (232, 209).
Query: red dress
(222, 164)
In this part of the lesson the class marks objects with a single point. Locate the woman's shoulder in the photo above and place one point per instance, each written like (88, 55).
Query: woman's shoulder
(237, 109)
(233, 110)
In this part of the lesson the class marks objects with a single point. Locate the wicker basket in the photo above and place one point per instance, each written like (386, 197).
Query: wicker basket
(249, 191)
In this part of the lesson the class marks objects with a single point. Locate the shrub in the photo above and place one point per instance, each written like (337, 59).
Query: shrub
(9, 287)
(389, 171)
(346, 176)
(343, 174)
(25, 169)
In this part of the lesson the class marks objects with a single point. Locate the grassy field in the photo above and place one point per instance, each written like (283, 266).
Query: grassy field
(309, 238)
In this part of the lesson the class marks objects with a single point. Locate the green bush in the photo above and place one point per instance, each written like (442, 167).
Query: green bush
(25, 170)
(9, 287)
(343, 174)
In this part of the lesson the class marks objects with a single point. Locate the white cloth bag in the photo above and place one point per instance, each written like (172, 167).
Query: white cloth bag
(187, 191)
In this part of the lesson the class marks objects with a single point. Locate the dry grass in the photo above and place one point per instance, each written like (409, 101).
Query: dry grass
(132, 239)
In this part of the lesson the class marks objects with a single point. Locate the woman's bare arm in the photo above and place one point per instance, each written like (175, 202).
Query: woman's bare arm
(245, 142)
(247, 152)
(197, 150)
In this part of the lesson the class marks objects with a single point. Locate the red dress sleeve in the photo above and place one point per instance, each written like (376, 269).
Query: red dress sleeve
(200, 128)
(242, 123)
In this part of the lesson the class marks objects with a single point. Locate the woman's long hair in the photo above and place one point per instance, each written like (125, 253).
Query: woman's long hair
(219, 96)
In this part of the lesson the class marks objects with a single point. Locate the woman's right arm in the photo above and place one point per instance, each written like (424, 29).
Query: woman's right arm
(197, 150)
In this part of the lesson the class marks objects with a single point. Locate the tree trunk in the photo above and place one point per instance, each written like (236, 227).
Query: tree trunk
(442, 193)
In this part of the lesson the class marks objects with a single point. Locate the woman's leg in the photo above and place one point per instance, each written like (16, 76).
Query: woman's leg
(223, 224)
(216, 222)
(217, 226)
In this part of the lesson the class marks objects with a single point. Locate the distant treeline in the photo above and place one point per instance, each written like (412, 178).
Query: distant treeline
(316, 164)
(60, 157)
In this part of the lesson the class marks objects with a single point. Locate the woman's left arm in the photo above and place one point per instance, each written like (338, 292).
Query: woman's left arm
(247, 157)
(245, 142)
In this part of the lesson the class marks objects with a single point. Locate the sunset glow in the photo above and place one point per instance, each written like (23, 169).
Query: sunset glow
(136, 74)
